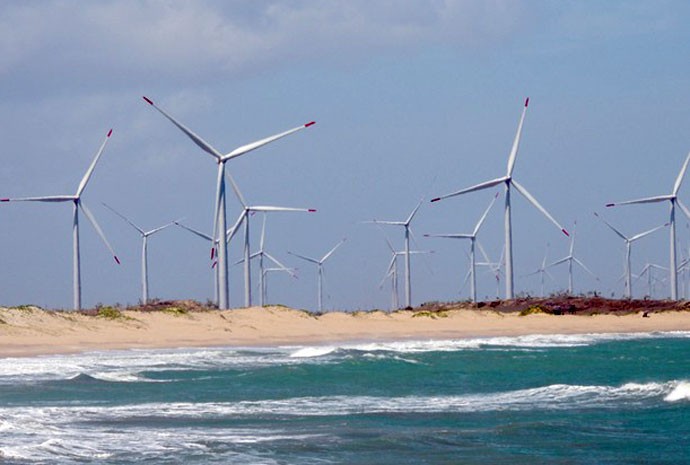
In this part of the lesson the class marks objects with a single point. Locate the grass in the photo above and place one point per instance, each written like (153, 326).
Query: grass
(111, 313)
(430, 314)
(532, 310)
(175, 311)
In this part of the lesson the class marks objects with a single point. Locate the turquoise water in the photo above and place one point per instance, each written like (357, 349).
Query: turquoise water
(608, 399)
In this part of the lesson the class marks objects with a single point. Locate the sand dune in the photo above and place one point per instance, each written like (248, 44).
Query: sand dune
(31, 331)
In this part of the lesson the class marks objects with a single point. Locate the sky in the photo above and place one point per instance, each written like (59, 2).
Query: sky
(413, 99)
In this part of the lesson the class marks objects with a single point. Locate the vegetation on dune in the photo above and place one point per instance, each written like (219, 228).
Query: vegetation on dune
(110, 313)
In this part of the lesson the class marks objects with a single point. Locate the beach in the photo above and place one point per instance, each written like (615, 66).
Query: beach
(509, 382)
(29, 331)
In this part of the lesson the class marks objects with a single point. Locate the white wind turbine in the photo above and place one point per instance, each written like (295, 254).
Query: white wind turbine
(408, 232)
(261, 254)
(77, 205)
(628, 248)
(543, 271)
(673, 199)
(248, 210)
(319, 264)
(570, 259)
(649, 269)
(509, 182)
(473, 238)
(144, 250)
(219, 212)
(392, 271)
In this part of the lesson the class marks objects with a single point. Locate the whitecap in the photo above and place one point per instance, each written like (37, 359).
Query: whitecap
(681, 391)
(308, 352)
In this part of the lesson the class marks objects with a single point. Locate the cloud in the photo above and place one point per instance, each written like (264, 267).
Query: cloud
(125, 40)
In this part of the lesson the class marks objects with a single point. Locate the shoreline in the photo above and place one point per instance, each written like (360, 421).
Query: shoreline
(29, 331)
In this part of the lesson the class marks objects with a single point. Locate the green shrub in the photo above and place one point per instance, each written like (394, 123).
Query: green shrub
(532, 310)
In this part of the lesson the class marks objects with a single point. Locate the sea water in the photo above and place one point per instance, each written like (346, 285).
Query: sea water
(587, 399)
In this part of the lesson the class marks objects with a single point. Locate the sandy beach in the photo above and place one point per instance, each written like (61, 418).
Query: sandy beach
(28, 331)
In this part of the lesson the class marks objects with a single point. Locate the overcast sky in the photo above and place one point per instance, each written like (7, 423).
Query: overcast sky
(411, 98)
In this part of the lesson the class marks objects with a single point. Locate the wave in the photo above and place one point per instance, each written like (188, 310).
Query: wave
(129, 366)
(556, 396)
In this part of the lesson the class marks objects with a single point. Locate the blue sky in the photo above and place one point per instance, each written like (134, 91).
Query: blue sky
(411, 99)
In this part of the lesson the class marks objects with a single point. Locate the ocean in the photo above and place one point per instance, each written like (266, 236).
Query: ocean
(584, 399)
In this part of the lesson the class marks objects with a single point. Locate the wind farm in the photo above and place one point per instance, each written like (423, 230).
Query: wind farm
(502, 271)
(478, 311)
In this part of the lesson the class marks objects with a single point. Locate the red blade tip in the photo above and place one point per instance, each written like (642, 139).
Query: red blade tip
(526, 102)
(213, 252)
(148, 100)
(109, 133)
(310, 123)
(312, 210)
(610, 204)
(436, 199)
(565, 232)
(116, 259)
(4, 200)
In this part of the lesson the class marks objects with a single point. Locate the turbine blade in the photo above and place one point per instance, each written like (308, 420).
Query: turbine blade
(89, 171)
(260, 143)
(160, 228)
(394, 223)
(205, 146)
(486, 213)
(305, 258)
(647, 233)
(620, 234)
(325, 257)
(516, 142)
(477, 187)
(263, 234)
(582, 265)
(279, 264)
(236, 189)
(679, 179)
(538, 206)
(230, 233)
(558, 262)
(216, 209)
(46, 198)
(451, 236)
(271, 208)
(98, 229)
(127, 220)
(414, 212)
(658, 198)
(684, 209)
(194, 231)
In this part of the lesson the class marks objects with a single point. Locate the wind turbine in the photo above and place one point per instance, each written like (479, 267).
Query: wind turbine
(319, 264)
(405, 224)
(392, 271)
(219, 213)
(472, 237)
(543, 270)
(260, 254)
(628, 246)
(509, 182)
(570, 259)
(144, 250)
(244, 217)
(494, 267)
(673, 199)
(77, 205)
(649, 269)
